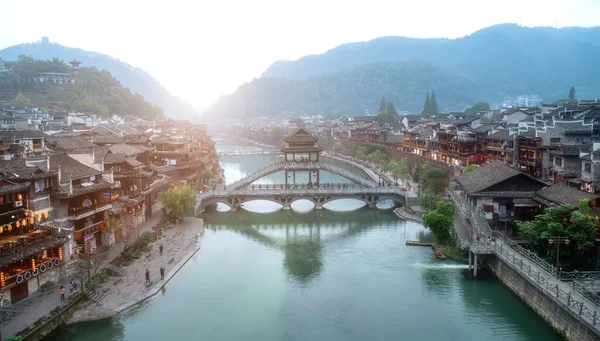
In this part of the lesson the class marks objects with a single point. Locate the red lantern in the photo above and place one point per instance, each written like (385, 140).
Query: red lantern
(24, 222)
(17, 224)
(39, 218)
(46, 215)
(2, 279)
(31, 221)
(26, 213)
(32, 264)
(19, 197)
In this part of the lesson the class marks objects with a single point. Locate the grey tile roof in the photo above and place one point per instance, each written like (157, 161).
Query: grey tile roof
(562, 194)
(71, 143)
(486, 176)
(126, 149)
(71, 168)
(501, 135)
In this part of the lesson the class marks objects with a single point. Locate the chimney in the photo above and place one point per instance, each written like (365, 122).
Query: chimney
(47, 163)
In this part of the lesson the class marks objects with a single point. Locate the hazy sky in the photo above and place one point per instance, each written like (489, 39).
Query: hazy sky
(202, 49)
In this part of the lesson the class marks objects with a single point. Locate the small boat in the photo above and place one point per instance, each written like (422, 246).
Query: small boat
(418, 243)
(439, 254)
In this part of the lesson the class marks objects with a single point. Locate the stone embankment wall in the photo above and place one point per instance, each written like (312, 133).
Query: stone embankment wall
(553, 312)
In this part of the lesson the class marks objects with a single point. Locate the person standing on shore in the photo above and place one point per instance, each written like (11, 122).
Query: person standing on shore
(160, 249)
(62, 293)
(162, 273)
(147, 276)
(70, 289)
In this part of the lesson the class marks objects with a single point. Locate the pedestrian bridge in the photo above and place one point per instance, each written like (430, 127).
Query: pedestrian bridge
(286, 195)
(239, 153)
(307, 166)
(363, 188)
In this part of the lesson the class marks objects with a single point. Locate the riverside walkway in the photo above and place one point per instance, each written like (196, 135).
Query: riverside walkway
(573, 291)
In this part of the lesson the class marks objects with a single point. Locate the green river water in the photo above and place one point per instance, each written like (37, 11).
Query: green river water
(341, 273)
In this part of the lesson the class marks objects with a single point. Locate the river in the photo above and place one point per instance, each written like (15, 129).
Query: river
(341, 273)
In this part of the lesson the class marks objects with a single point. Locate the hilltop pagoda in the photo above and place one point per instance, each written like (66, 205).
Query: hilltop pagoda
(301, 154)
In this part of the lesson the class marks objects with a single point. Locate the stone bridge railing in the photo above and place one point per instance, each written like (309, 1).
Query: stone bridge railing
(269, 190)
(322, 165)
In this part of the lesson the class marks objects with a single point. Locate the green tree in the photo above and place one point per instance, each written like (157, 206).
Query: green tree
(382, 104)
(21, 100)
(562, 221)
(386, 117)
(427, 106)
(427, 200)
(433, 104)
(470, 168)
(391, 109)
(179, 201)
(477, 107)
(440, 221)
(572, 93)
(275, 134)
(435, 181)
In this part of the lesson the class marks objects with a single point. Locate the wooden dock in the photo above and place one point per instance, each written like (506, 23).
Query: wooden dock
(418, 243)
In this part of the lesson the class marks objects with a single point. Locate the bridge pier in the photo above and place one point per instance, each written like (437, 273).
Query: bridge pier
(475, 266)
(470, 261)
(318, 206)
(286, 206)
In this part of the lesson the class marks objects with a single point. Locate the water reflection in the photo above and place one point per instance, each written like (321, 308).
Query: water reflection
(301, 236)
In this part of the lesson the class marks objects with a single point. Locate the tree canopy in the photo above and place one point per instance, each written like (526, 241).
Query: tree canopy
(562, 221)
(179, 201)
(477, 107)
(572, 93)
(470, 168)
(440, 221)
(95, 91)
(21, 100)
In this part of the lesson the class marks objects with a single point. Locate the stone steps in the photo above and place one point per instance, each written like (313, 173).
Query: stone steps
(94, 296)
(114, 270)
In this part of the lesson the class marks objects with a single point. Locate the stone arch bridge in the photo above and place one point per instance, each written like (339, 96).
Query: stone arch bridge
(362, 188)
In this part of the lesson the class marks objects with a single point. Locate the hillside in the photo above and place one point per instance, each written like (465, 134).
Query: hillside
(503, 60)
(137, 80)
(351, 91)
(95, 91)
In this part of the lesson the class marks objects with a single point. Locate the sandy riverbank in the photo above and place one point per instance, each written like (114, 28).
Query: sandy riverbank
(180, 244)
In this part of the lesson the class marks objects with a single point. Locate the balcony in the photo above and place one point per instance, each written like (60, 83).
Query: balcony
(76, 213)
(88, 230)
(24, 246)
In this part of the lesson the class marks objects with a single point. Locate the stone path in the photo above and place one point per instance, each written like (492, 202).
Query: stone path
(39, 305)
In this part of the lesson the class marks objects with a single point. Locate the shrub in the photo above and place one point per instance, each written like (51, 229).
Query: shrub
(92, 285)
(103, 277)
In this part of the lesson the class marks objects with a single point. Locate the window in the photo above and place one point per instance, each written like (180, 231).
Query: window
(558, 161)
(48, 183)
(555, 140)
(588, 167)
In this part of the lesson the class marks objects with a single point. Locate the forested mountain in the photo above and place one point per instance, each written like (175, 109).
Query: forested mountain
(492, 64)
(350, 91)
(95, 91)
(137, 80)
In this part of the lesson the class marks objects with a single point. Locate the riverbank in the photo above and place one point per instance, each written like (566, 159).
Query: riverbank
(180, 243)
(404, 213)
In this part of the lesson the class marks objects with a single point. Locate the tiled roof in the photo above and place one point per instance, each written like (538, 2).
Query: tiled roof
(562, 194)
(112, 158)
(4, 135)
(8, 187)
(501, 135)
(486, 176)
(301, 136)
(126, 149)
(19, 170)
(72, 143)
(566, 150)
(71, 168)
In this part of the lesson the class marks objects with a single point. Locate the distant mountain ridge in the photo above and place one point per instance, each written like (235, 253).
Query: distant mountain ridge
(493, 64)
(137, 80)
